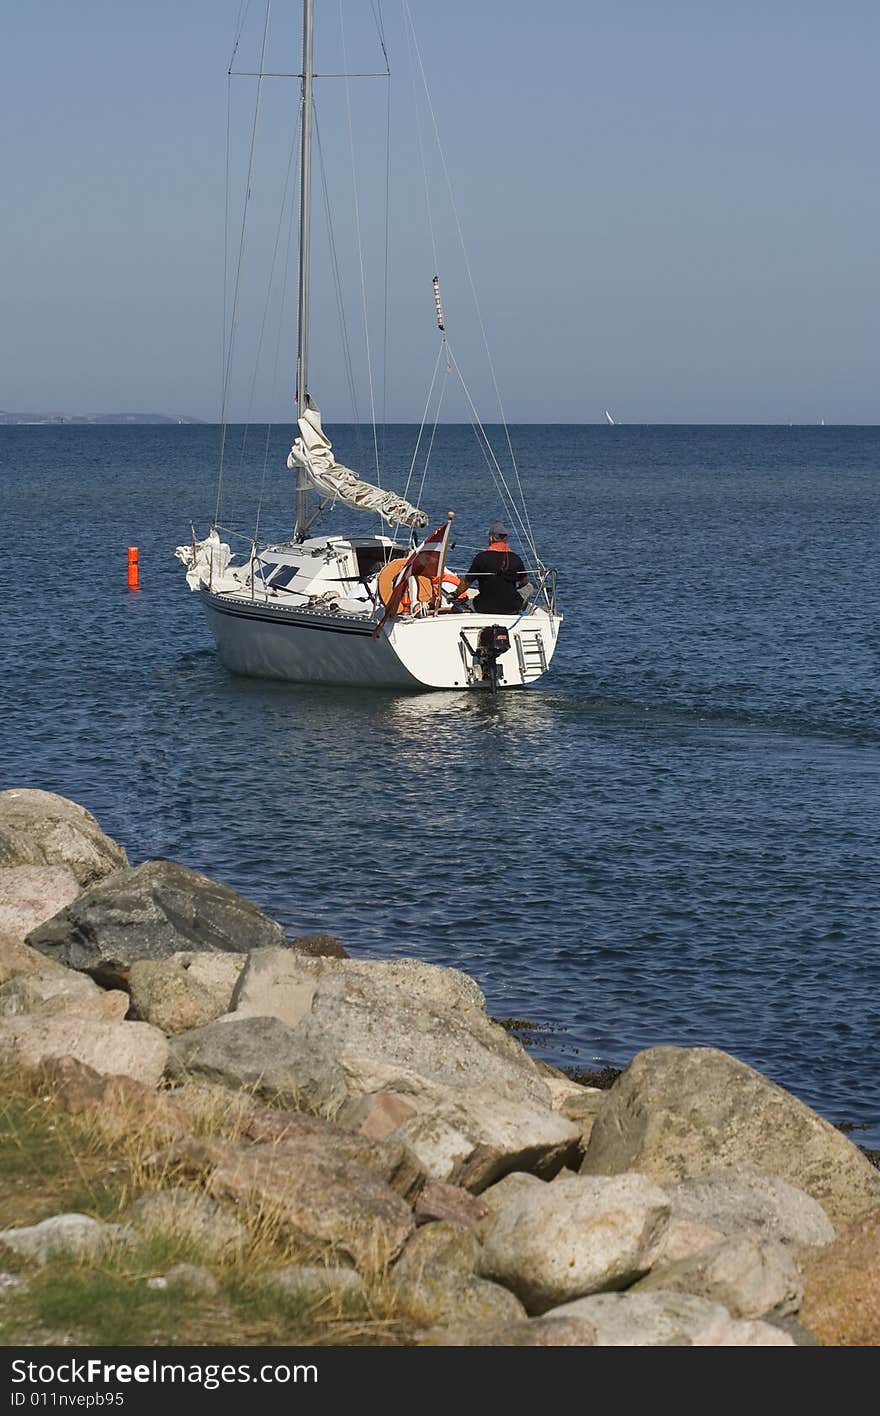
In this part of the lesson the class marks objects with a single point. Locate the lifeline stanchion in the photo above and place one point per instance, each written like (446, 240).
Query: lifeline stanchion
(133, 572)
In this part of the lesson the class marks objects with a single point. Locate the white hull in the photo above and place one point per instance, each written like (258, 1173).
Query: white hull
(265, 640)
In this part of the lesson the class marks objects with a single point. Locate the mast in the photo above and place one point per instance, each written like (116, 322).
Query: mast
(305, 197)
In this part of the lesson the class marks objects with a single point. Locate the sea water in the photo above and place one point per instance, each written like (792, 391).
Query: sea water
(672, 838)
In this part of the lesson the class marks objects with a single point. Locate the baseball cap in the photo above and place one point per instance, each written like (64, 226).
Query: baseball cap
(498, 531)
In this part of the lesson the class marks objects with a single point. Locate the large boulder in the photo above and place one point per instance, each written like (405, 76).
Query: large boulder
(416, 1030)
(315, 1184)
(678, 1113)
(282, 983)
(552, 1243)
(841, 1303)
(669, 1320)
(152, 911)
(112, 1048)
(40, 828)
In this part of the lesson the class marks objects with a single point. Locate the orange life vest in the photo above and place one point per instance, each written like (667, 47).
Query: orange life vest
(428, 585)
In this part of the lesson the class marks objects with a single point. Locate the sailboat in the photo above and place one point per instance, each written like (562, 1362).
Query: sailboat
(608, 418)
(370, 608)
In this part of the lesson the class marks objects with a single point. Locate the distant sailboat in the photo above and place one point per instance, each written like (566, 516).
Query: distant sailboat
(608, 417)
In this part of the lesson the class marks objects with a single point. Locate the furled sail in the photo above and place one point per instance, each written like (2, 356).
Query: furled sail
(312, 451)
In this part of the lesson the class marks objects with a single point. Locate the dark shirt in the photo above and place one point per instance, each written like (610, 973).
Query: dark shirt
(497, 575)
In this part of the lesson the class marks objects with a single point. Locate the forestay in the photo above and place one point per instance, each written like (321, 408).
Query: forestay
(313, 452)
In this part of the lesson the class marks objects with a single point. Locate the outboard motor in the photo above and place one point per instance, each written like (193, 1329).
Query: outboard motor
(493, 641)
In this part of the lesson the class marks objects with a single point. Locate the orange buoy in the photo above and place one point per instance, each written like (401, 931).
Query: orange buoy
(133, 572)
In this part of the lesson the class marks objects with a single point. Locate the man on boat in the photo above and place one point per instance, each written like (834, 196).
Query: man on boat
(499, 574)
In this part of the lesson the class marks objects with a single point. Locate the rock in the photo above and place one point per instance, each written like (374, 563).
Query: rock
(841, 1303)
(435, 1278)
(679, 1113)
(264, 1055)
(574, 1237)
(152, 911)
(752, 1278)
(119, 1105)
(58, 990)
(317, 1285)
(475, 1137)
(17, 959)
(376, 1115)
(444, 1244)
(130, 1049)
(31, 894)
(282, 983)
(439, 1295)
(509, 1188)
(319, 946)
(387, 1157)
(185, 1214)
(745, 1200)
(452, 1203)
(668, 1320)
(76, 1235)
(40, 828)
(186, 991)
(313, 1186)
(526, 1332)
(191, 1278)
(417, 1031)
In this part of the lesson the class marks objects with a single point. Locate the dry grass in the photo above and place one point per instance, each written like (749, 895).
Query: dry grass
(99, 1159)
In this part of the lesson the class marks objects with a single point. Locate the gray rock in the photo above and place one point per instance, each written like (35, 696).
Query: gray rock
(668, 1320)
(40, 828)
(745, 1200)
(525, 1332)
(263, 1054)
(316, 1284)
(191, 1278)
(152, 911)
(752, 1278)
(680, 1113)
(391, 1028)
(76, 1235)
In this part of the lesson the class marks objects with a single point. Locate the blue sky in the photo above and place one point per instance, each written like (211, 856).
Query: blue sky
(669, 210)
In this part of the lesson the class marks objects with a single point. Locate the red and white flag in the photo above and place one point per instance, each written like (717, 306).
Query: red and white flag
(425, 560)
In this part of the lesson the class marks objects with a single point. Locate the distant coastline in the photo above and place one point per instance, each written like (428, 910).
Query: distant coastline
(87, 419)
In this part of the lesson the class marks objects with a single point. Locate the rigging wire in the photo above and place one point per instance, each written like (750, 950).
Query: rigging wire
(525, 524)
(294, 153)
(234, 320)
(424, 420)
(376, 6)
(357, 217)
(337, 288)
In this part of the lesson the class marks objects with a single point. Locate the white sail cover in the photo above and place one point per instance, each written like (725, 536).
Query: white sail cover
(312, 450)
